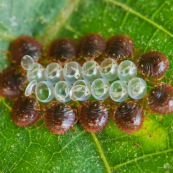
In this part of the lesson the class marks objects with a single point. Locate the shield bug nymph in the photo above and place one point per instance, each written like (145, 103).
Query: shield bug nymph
(12, 83)
(153, 64)
(160, 98)
(129, 116)
(25, 45)
(59, 118)
(93, 116)
(120, 47)
(26, 111)
(91, 46)
(62, 50)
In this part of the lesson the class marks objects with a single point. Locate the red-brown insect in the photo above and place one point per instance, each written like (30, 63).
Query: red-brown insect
(93, 116)
(25, 45)
(91, 46)
(153, 64)
(120, 47)
(128, 116)
(160, 99)
(59, 118)
(26, 111)
(12, 82)
(63, 50)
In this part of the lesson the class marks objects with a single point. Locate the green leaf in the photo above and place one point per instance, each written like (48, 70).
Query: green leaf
(35, 149)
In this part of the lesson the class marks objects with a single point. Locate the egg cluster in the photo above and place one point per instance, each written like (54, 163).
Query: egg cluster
(88, 72)
(79, 83)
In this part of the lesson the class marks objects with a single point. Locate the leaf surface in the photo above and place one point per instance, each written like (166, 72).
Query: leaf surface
(35, 149)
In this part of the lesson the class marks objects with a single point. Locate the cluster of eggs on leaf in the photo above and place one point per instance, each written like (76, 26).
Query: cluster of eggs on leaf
(93, 115)
(100, 81)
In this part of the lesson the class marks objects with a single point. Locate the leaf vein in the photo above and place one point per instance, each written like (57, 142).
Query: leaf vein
(151, 38)
(141, 157)
(58, 23)
(100, 150)
(136, 13)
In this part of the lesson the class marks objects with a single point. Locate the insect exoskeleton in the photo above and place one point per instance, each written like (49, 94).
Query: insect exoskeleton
(59, 118)
(160, 98)
(62, 50)
(120, 47)
(25, 45)
(153, 64)
(12, 83)
(25, 111)
(93, 116)
(129, 116)
(91, 46)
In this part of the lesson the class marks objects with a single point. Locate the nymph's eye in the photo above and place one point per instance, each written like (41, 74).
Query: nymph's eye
(37, 73)
(108, 69)
(80, 91)
(53, 73)
(127, 70)
(137, 88)
(44, 91)
(90, 71)
(100, 89)
(72, 72)
(62, 91)
(118, 91)
(27, 62)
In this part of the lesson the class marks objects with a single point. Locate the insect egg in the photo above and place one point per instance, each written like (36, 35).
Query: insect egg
(100, 89)
(91, 46)
(128, 116)
(72, 72)
(37, 73)
(25, 45)
(59, 118)
(127, 70)
(118, 91)
(44, 91)
(26, 111)
(53, 72)
(153, 64)
(27, 62)
(108, 69)
(30, 87)
(120, 47)
(137, 88)
(80, 91)
(62, 91)
(160, 99)
(90, 71)
(12, 83)
(93, 116)
(63, 50)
